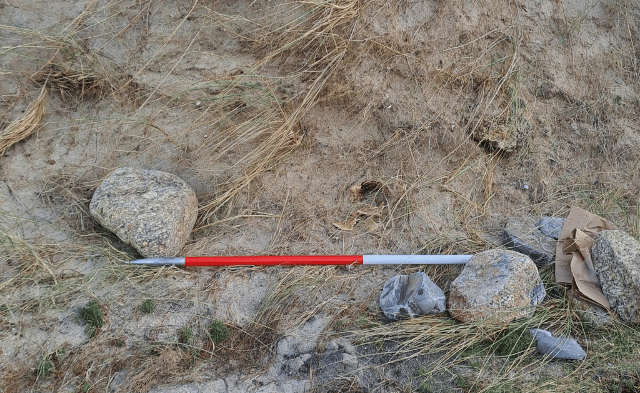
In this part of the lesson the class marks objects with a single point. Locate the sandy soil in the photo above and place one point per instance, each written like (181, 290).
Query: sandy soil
(462, 114)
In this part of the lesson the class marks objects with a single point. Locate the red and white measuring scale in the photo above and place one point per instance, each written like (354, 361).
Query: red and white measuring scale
(307, 260)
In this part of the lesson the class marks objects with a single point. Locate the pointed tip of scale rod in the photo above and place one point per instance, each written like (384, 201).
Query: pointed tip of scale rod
(158, 262)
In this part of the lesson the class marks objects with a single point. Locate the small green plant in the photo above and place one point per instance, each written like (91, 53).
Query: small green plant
(219, 332)
(426, 387)
(365, 322)
(568, 368)
(629, 385)
(147, 307)
(91, 314)
(340, 324)
(512, 341)
(462, 382)
(477, 349)
(86, 386)
(185, 335)
(617, 100)
(45, 368)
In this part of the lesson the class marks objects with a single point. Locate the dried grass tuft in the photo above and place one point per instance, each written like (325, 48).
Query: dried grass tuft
(72, 84)
(20, 129)
(321, 35)
(69, 196)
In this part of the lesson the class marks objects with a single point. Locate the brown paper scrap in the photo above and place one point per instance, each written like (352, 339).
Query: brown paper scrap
(573, 255)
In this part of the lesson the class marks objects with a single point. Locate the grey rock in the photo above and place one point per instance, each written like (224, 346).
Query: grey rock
(557, 347)
(150, 210)
(302, 339)
(410, 296)
(616, 261)
(338, 360)
(523, 236)
(211, 386)
(550, 226)
(499, 284)
(589, 312)
(292, 366)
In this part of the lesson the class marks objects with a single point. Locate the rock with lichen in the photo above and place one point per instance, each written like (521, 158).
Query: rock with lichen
(499, 284)
(152, 211)
(616, 261)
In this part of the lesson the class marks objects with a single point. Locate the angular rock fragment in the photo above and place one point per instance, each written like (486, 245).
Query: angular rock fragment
(150, 210)
(410, 296)
(589, 312)
(557, 347)
(550, 226)
(302, 339)
(523, 236)
(496, 283)
(616, 261)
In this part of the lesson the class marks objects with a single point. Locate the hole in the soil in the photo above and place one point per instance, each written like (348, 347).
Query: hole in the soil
(369, 191)
(367, 187)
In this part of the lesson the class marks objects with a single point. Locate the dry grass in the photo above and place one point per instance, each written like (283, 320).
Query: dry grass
(73, 85)
(22, 128)
(324, 26)
(70, 196)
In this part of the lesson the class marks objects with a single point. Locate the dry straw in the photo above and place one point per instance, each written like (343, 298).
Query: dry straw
(20, 129)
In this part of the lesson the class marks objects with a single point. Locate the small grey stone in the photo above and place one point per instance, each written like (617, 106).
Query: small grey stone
(302, 339)
(411, 296)
(616, 261)
(589, 312)
(152, 211)
(551, 226)
(557, 347)
(538, 294)
(494, 282)
(523, 236)
(295, 364)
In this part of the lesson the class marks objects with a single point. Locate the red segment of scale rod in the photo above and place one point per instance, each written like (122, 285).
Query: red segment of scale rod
(275, 260)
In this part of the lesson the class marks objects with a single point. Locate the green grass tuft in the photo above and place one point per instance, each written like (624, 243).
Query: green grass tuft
(45, 368)
(219, 332)
(513, 341)
(86, 386)
(147, 307)
(91, 314)
(185, 335)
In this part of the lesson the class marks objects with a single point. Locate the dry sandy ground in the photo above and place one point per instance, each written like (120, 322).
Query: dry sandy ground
(450, 115)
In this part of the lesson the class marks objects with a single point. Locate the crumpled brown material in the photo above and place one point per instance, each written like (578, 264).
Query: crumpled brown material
(573, 255)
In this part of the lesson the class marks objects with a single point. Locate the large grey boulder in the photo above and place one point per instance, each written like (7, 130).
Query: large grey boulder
(410, 296)
(551, 226)
(150, 210)
(523, 236)
(557, 347)
(499, 284)
(616, 261)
